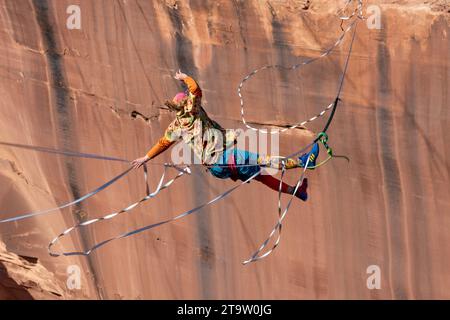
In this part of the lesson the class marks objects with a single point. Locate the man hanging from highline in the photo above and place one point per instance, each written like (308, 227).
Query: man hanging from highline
(222, 159)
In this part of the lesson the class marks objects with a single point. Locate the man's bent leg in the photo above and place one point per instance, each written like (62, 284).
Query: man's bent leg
(274, 184)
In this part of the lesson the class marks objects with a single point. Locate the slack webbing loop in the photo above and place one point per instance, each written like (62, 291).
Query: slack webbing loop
(161, 186)
(145, 228)
(281, 215)
(257, 256)
(148, 196)
(306, 62)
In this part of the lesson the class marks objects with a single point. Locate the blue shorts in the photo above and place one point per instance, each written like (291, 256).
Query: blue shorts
(229, 165)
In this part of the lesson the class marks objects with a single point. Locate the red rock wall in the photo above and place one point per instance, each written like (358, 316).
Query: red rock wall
(25, 278)
(77, 89)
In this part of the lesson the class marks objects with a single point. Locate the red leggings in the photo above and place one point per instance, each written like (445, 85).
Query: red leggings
(274, 184)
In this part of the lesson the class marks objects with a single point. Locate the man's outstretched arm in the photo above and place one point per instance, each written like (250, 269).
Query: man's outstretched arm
(162, 145)
(192, 85)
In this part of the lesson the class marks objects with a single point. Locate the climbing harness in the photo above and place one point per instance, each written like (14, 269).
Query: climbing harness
(322, 138)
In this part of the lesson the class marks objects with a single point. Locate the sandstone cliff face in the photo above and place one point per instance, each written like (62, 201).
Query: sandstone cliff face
(25, 278)
(98, 90)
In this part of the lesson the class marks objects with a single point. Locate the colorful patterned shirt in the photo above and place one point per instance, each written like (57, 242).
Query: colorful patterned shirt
(204, 136)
